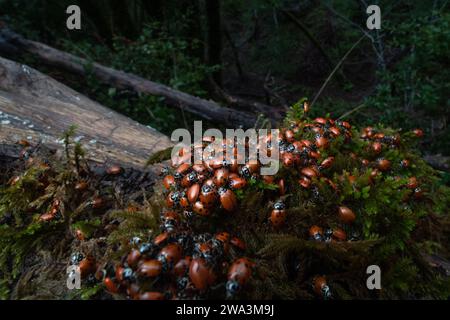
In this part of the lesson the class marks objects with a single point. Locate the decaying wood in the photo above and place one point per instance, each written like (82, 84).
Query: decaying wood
(36, 107)
(13, 43)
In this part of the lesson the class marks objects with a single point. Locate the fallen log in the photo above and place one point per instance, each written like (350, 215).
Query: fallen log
(39, 109)
(12, 43)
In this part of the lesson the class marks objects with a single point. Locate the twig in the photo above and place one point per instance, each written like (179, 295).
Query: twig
(335, 69)
(351, 111)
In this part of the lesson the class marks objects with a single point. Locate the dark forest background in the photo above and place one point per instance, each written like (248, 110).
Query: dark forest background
(275, 51)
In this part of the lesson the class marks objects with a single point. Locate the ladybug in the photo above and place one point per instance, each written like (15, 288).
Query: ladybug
(152, 295)
(304, 182)
(189, 179)
(200, 168)
(309, 172)
(114, 170)
(278, 214)
(418, 133)
(181, 268)
(201, 209)
(221, 177)
(316, 233)
(405, 163)
(183, 168)
(207, 195)
(87, 266)
(193, 193)
(146, 249)
(412, 183)
(237, 182)
(169, 182)
(288, 159)
(227, 199)
(201, 275)
(170, 255)
(184, 202)
(335, 131)
(170, 221)
(133, 258)
(376, 147)
(321, 142)
(418, 193)
(173, 199)
(384, 164)
(328, 162)
(150, 268)
(110, 285)
(321, 287)
(321, 121)
(346, 215)
(238, 274)
(339, 235)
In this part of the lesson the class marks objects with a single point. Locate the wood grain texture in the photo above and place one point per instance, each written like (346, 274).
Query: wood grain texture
(36, 107)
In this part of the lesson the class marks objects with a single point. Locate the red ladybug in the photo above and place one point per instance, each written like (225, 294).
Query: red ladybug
(201, 209)
(182, 266)
(170, 255)
(376, 147)
(221, 177)
(110, 285)
(237, 182)
(161, 238)
(339, 235)
(321, 142)
(208, 195)
(316, 233)
(193, 193)
(238, 274)
(278, 214)
(150, 268)
(304, 182)
(201, 275)
(321, 287)
(169, 182)
(133, 258)
(384, 164)
(309, 172)
(412, 183)
(328, 162)
(87, 266)
(228, 199)
(183, 168)
(346, 215)
(335, 131)
(418, 133)
(405, 163)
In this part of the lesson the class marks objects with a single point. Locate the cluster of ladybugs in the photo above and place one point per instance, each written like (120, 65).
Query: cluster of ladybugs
(178, 264)
(181, 263)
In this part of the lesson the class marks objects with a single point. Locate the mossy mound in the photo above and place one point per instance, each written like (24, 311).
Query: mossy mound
(368, 198)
